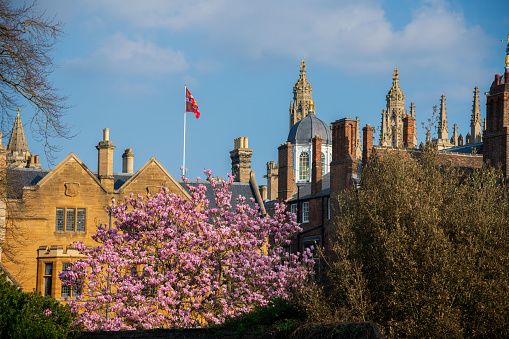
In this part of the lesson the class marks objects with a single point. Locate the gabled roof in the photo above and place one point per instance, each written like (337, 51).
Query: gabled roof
(64, 162)
(154, 161)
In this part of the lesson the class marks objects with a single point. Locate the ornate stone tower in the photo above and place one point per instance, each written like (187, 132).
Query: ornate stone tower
(391, 133)
(443, 130)
(301, 97)
(475, 122)
(18, 154)
(241, 160)
(496, 134)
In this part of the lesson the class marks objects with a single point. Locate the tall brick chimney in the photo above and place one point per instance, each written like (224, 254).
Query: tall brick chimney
(367, 143)
(286, 175)
(408, 131)
(272, 179)
(128, 161)
(316, 169)
(343, 164)
(241, 160)
(105, 161)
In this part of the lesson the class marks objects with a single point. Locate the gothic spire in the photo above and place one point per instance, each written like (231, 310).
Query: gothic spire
(18, 141)
(443, 131)
(475, 122)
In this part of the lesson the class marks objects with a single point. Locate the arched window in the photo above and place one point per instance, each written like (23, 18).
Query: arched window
(304, 166)
(323, 163)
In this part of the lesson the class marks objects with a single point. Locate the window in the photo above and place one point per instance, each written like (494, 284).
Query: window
(60, 219)
(70, 220)
(66, 290)
(305, 211)
(293, 208)
(323, 163)
(48, 275)
(304, 166)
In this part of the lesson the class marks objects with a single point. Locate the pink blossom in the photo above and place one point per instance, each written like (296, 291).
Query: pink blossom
(172, 262)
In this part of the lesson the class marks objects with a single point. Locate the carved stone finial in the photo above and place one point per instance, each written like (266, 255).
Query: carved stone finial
(303, 66)
(395, 74)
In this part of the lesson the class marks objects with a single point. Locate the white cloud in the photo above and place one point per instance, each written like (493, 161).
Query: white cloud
(355, 36)
(118, 54)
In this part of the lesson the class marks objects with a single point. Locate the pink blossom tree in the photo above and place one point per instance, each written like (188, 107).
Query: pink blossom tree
(170, 262)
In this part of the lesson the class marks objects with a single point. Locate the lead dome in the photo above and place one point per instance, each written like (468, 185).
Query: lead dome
(305, 129)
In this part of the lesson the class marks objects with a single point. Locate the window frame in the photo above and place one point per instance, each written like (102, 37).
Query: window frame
(64, 216)
(305, 211)
(47, 278)
(304, 166)
(67, 288)
(293, 208)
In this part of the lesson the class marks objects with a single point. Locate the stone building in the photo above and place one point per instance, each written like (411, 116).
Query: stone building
(310, 196)
(50, 209)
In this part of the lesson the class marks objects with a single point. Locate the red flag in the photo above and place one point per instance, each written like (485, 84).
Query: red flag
(191, 105)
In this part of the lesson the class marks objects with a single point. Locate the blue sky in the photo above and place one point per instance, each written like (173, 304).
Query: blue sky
(124, 65)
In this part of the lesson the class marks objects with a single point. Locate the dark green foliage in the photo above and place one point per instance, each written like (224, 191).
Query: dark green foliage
(22, 315)
(422, 250)
(281, 313)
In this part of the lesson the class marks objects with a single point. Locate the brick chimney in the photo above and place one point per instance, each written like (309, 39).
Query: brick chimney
(241, 160)
(105, 161)
(128, 161)
(343, 164)
(408, 131)
(367, 143)
(286, 176)
(316, 169)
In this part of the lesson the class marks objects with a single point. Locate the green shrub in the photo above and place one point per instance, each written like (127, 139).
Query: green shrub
(30, 315)
(279, 312)
(422, 250)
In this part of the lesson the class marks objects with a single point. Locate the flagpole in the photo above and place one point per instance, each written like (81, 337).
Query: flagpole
(184, 152)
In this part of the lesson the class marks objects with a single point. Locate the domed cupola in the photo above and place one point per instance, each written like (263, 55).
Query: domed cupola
(301, 137)
(305, 129)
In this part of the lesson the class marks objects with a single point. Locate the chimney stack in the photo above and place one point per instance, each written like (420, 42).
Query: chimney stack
(241, 160)
(105, 161)
(367, 133)
(272, 180)
(128, 161)
(316, 169)
(286, 175)
(343, 164)
(408, 131)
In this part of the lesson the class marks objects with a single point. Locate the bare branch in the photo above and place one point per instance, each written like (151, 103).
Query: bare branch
(27, 39)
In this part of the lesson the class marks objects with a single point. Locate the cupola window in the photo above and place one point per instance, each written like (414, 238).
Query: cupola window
(304, 166)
